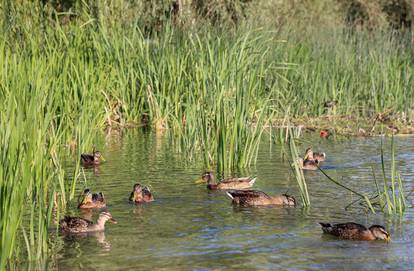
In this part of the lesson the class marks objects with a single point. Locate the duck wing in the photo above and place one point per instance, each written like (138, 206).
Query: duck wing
(239, 179)
(74, 224)
(247, 197)
(236, 183)
(87, 158)
(348, 230)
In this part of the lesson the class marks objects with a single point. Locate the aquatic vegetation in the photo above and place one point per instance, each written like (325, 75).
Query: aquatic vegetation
(391, 198)
(361, 195)
(298, 172)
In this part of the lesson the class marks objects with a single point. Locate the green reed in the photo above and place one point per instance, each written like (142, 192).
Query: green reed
(392, 197)
(389, 198)
(297, 169)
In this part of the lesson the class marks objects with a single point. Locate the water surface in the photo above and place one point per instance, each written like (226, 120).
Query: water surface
(190, 228)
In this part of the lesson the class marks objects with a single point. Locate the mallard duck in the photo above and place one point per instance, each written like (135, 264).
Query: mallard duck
(229, 183)
(354, 231)
(72, 224)
(92, 159)
(310, 155)
(258, 198)
(141, 194)
(92, 200)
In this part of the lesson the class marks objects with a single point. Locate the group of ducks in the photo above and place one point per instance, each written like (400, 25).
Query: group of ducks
(238, 189)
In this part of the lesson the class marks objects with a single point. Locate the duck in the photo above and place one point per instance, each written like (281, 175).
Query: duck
(226, 184)
(259, 198)
(355, 231)
(310, 155)
(141, 194)
(92, 200)
(92, 159)
(70, 224)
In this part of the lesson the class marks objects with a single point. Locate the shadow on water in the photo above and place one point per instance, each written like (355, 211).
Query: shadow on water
(188, 227)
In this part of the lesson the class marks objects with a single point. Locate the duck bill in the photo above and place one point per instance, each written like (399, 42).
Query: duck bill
(102, 158)
(113, 221)
(86, 199)
(388, 239)
(199, 181)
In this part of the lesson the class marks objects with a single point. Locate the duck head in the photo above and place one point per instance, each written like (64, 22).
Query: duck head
(380, 233)
(289, 200)
(97, 156)
(146, 192)
(207, 177)
(86, 197)
(105, 216)
(137, 194)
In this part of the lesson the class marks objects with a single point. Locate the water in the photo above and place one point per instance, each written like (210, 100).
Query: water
(190, 228)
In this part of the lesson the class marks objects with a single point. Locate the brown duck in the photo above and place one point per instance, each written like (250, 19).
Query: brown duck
(92, 159)
(354, 231)
(92, 200)
(71, 224)
(229, 183)
(259, 198)
(141, 194)
(310, 155)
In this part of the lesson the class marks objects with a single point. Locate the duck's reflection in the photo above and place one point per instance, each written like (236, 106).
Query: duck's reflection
(79, 237)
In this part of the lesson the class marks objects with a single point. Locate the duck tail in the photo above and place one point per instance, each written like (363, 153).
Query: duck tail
(252, 181)
(230, 195)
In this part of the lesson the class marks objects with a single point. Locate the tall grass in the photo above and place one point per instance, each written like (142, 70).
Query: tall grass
(391, 198)
(212, 92)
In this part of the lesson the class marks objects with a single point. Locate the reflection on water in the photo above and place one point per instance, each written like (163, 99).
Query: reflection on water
(188, 227)
(78, 237)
